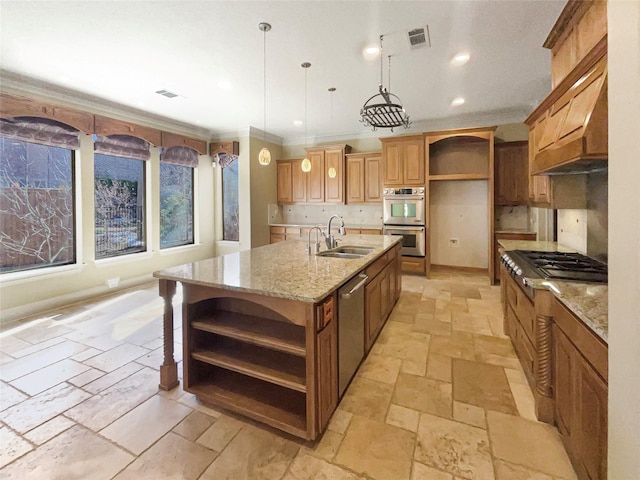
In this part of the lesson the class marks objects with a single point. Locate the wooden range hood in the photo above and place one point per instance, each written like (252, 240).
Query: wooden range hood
(571, 126)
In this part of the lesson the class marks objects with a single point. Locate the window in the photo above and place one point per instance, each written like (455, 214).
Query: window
(176, 205)
(37, 221)
(230, 211)
(119, 205)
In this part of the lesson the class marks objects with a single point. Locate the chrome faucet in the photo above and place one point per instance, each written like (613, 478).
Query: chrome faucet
(317, 244)
(329, 240)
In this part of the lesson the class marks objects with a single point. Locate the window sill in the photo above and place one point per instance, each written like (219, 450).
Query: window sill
(16, 278)
(180, 249)
(123, 258)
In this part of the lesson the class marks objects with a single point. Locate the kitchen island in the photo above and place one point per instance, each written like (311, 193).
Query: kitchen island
(260, 327)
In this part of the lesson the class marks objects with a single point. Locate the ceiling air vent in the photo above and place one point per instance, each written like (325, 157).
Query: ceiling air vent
(419, 37)
(167, 93)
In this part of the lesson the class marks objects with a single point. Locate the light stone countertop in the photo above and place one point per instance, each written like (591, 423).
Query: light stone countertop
(282, 269)
(514, 230)
(588, 301)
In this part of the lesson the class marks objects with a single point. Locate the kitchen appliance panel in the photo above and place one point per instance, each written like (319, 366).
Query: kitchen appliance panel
(413, 239)
(404, 206)
(350, 330)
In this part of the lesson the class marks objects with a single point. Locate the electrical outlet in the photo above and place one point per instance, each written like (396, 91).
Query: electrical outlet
(454, 242)
(112, 282)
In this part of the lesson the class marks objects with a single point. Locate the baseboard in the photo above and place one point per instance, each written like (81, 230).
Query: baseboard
(455, 268)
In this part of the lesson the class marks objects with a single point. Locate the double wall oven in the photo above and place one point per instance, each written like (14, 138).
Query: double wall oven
(404, 215)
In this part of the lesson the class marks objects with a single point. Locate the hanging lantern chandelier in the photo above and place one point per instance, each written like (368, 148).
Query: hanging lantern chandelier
(264, 157)
(384, 109)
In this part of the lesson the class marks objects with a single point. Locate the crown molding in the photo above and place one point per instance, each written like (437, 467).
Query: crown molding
(16, 84)
(249, 131)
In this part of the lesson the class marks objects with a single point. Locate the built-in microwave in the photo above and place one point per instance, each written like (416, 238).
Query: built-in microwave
(413, 239)
(404, 206)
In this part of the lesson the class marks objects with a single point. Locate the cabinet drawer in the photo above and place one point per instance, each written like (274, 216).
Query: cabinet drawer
(292, 231)
(277, 230)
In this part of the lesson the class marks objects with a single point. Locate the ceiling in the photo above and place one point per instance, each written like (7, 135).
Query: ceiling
(123, 52)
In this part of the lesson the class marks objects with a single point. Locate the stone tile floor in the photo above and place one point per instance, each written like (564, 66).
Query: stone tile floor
(441, 396)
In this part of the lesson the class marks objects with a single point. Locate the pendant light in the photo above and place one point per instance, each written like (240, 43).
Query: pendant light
(264, 157)
(306, 163)
(332, 171)
(384, 110)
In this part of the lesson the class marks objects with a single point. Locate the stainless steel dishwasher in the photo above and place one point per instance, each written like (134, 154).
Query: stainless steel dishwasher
(350, 329)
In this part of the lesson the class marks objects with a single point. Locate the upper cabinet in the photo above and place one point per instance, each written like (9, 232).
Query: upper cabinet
(511, 173)
(325, 183)
(403, 160)
(364, 178)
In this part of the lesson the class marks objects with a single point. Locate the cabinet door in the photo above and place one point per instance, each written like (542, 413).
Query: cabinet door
(372, 311)
(385, 294)
(564, 356)
(591, 422)
(541, 189)
(356, 179)
(327, 374)
(334, 187)
(284, 194)
(299, 182)
(315, 178)
(372, 179)
(413, 162)
(393, 169)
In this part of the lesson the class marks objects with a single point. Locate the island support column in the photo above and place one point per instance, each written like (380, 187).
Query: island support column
(169, 368)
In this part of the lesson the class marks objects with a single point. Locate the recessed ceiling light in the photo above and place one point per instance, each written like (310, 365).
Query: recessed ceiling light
(224, 85)
(298, 123)
(460, 58)
(456, 102)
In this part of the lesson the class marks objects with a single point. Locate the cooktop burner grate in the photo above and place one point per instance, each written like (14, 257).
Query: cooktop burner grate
(566, 266)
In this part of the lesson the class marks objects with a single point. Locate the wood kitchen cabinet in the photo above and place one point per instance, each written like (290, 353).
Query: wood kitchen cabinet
(580, 371)
(316, 177)
(364, 178)
(511, 173)
(285, 185)
(403, 160)
(327, 352)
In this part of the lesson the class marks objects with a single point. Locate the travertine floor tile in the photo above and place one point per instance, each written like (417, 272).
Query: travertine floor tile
(426, 323)
(48, 430)
(493, 345)
(49, 376)
(87, 377)
(423, 394)
(116, 357)
(88, 353)
(454, 447)
(306, 467)
(482, 385)
(100, 410)
(11, 344)
(74, 454)
(423, 472)
(9, 396)
(12, 446)
(500, 360)
(465, 291)
(458, 345)
(194, 425)
(46, 331)
(509, 471)
(531, 444)
(254, 454)
(469, 414)
(367, 398)
(112, 378)
(380, 368)
(43, 407)
(37, 347)
(340, 420)
(469, 322)
(327, 446)
(363, 446)
(35, 361)
(218, 436)
(403, 417)
(524, 400)
(439, 367)
(145, 424)
(172, 457)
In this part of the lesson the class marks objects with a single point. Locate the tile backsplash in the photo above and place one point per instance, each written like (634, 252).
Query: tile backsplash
(512, 217)
(353, 215)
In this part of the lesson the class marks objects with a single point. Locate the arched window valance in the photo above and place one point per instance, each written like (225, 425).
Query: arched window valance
(180, 155)
(122, 146)
(42, 131)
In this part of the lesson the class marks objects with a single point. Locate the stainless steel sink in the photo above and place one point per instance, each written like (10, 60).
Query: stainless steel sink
(346, 251)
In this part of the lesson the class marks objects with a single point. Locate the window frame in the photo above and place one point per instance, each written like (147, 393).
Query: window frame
(194, 239)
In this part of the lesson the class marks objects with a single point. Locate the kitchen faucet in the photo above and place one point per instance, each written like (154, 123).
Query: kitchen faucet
(317, 245)
(329, 240)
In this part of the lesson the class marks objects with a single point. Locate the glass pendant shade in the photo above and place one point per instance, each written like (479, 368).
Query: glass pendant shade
(332, 172)
(264, 157)
(306, 165)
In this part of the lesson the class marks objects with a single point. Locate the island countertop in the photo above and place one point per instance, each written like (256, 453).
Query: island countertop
(282, 269)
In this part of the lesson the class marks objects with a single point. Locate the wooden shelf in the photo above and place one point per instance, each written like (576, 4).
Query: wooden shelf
(261, 363)
(281, 336)
(460, 176)
(256, 399)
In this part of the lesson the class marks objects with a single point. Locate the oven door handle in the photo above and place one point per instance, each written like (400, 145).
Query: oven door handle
(402, 228)
(404, 197)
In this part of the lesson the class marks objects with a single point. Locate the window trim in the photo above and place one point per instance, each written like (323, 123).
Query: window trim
(195, 232)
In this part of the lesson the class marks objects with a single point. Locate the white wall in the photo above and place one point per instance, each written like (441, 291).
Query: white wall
(459, 210)
(624, 239)
(572, 229)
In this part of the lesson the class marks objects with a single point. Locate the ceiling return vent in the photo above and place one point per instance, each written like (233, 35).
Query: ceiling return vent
(167, 93)
(419, 37)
